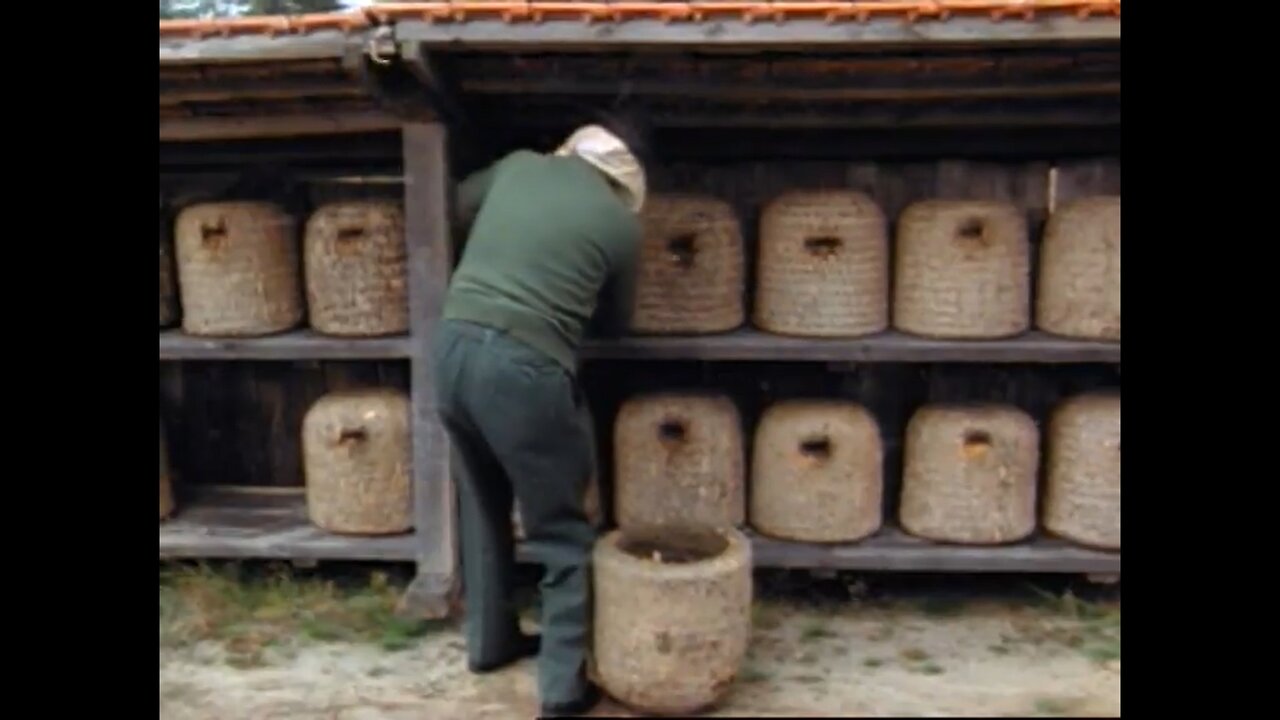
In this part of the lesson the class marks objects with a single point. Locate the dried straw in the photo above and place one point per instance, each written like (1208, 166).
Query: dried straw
(356, 269)
(1079, 290)
(817, 473)
(168, 288)
(356, 452)
(963, 270)
(824, 265)
(970, 474)
(670, 637)
(1082, 488)
(238, 269)
(679, 461)
(692, 267)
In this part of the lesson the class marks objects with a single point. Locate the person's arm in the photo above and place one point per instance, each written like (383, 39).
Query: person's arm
(617, 297)
(471, 194)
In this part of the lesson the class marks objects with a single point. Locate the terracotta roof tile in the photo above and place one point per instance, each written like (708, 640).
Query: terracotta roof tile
(622, 11)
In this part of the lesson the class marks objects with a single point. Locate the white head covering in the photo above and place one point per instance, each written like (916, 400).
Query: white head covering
(608, 154)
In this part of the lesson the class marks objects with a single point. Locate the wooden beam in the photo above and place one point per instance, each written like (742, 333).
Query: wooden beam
(318, 45)
(236, 128)
(427, 212)
(264, 524)
(747, 344)
(297, 345)
(892, 550)
(797, 33)
(873, 117)
(270, 90)
(780, 91)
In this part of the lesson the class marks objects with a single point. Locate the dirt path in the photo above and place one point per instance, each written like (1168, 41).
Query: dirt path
(845, 661)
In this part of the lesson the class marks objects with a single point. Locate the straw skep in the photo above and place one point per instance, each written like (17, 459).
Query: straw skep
(356, 269)
(238, 272)
(963, 270)
(823, 265)
(817, 473)
(357, 456)
(969, 474)
(672, 617)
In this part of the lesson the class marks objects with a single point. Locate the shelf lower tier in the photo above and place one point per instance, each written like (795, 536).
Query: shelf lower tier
(894, 551)
(223, 524)
(748, 344)
(295, 345)
(744, 344)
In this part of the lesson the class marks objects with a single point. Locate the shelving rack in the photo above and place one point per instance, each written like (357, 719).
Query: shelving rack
(919, 87)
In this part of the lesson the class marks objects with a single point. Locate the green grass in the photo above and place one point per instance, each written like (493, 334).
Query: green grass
(254, 615)
(815, 630)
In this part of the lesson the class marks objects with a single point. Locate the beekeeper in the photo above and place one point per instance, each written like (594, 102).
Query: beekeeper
(552, 246)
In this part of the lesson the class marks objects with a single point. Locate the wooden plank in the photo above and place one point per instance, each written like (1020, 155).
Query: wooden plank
(748, 344)
(778, 91)
(219, 523)
(870, 117)
(271, 90)
(317, 45)
(893, 551)
(426, 207)
(795, 33)
(234, 128)
(297, 345)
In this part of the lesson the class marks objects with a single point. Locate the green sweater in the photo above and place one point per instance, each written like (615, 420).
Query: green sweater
(549, 241)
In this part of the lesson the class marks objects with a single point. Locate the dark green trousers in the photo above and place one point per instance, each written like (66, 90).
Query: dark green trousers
(519, 427)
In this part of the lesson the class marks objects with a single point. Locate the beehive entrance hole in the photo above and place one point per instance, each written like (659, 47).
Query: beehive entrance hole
(350, 233)
(822, 246)
(972, 230)
(682, 248)
(976, 443)
(673, 546)
(816, 448)
(672, 430)
(352, 436)
(211, 234)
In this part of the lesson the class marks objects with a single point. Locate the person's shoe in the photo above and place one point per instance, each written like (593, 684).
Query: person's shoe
(526, 646)
(574, 708)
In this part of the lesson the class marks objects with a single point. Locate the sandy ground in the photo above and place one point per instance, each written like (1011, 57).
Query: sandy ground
(834, 662)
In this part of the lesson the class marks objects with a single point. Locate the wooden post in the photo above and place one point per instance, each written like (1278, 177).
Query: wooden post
(426, 207)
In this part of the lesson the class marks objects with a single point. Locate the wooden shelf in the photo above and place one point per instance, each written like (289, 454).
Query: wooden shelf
(246, 523)
(894, 551)
(295, 345)
(749, 344)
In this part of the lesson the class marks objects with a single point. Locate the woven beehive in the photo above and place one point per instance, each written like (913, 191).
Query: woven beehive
(672, 617)
(356, 271)
(678, 461)
(817, 474)
(356, 453)
(1079, 281)
(238, 272)
(166, 477)
(692, 267)
(969, 474)
(963, 270)
(824, 265)
(168, 287)
(1082, 473)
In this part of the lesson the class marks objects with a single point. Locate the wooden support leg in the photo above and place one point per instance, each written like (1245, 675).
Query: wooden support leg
(426, 207)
